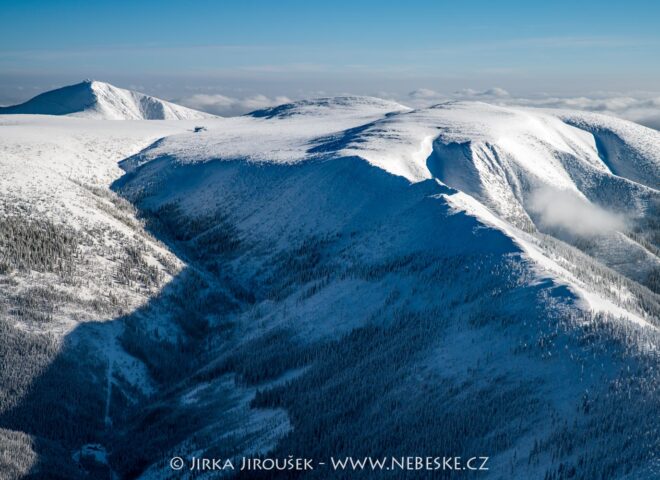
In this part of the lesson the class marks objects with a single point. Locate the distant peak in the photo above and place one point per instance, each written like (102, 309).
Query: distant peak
(93, 99)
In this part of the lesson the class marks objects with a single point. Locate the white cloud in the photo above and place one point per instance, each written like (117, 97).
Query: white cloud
(491, 92)
(640, 107)
(495, 92)
(423, 97)
(643, 108)
(423, 93)
(229, 106)
(567, 211)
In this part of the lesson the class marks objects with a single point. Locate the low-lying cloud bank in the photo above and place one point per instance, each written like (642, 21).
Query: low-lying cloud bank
(645, 111)
(228, 106)
(643, 108)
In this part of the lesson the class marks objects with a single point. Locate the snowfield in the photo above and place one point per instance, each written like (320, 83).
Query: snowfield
(339, 276)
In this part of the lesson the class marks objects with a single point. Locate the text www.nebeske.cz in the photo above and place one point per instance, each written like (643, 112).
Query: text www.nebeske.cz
(409, 463)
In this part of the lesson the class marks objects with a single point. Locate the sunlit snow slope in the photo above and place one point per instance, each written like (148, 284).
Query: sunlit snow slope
(99, 100)
(469, 259)
(340, 276)
(529, 168)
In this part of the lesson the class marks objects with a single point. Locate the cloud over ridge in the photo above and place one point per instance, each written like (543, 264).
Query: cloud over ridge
(225, 106)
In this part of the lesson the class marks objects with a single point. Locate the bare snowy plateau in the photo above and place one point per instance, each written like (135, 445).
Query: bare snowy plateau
(333, 277)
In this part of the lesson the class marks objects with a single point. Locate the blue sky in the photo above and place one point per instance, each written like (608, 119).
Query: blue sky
(176, 49)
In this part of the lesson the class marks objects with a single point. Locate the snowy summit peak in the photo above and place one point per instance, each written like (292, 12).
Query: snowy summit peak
(100, 100)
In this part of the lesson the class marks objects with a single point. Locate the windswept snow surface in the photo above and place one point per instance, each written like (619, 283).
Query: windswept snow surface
(528, 167)
(630, 150)
(283, 135)
(334, 276)
(57, 170)
(502, 234)
(99, 100)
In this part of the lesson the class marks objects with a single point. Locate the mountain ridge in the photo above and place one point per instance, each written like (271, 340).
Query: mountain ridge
(347, 280)
(101, 100)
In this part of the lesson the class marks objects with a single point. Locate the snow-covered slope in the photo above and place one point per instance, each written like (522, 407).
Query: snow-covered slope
(57, 170)
(74, 260)
(284, 134)
(528, 167)
(629, 150)
(343, 276)
(500, 236)
(99, 100)
(590, 180)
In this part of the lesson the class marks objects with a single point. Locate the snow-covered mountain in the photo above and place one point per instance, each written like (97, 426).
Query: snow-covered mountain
(99, 100)
(529, 168)
(343, 276)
